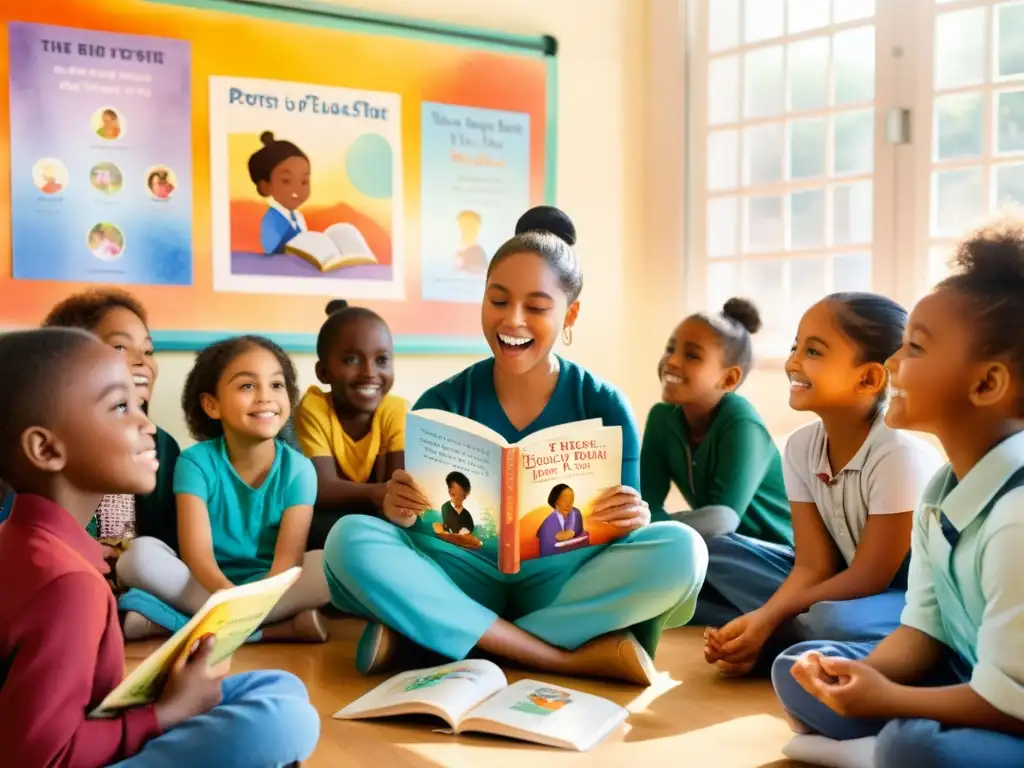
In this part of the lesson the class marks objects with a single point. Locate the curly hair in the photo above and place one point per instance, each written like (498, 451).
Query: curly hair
(210, 365)
(86, 310)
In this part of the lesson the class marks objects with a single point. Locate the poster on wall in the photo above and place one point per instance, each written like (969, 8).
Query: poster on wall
(475, 185)
(101, 156)
(306, 189)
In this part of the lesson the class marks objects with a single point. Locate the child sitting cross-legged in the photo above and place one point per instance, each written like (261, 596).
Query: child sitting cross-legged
(61, 650)
(245, 498)
(946, 688)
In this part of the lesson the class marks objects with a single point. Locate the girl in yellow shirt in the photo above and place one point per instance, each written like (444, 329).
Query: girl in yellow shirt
(355, 433)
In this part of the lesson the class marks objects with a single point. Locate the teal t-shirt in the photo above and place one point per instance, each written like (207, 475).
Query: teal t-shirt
(244, 521)
(578, 395)
(736, 465)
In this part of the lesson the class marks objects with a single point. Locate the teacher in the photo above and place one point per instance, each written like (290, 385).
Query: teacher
(596, 611)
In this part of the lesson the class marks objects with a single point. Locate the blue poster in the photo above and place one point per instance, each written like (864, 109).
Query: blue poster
(476, 184)
(101, 156)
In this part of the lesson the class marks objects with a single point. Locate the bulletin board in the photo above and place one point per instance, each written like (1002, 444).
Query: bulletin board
(236, 163)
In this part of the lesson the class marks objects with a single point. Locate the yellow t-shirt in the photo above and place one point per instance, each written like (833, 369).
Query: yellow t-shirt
(320, 434)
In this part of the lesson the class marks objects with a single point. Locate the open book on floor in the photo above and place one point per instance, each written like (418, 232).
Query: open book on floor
(513, 502)
(340, 245)
(231, 616)
(474, 696)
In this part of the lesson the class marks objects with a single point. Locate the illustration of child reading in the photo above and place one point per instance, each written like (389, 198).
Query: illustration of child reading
(562, 530)
(160, 184)
(471, 256)
(456, 526)
(110, 125)
(281, 172)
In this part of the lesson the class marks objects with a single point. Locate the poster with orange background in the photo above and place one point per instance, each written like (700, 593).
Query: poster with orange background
(235, 40)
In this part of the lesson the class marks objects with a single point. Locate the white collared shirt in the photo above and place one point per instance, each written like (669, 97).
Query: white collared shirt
(971, 597)
(886, 476)
(288, 214)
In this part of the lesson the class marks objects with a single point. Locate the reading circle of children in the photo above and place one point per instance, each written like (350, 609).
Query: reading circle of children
(306, 189)
(101, 156)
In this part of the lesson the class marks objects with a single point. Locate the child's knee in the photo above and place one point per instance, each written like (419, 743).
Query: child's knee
(904, 743)
(349, 551)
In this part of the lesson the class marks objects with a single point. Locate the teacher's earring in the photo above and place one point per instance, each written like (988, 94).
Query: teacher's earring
(567, 335)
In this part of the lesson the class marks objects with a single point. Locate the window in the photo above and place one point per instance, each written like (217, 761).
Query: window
(801, 175)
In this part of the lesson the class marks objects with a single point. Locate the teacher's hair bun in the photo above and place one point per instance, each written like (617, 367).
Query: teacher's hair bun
(335, 305)
(267, 138)
(547, 218)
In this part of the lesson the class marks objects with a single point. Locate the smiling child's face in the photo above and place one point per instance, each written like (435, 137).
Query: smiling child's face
(123, 330)
(251, 398)
(289, 183)
(692, 367)
(360, 366)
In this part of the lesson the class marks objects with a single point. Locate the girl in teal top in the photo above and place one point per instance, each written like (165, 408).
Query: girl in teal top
(713, 444)
(594, 611)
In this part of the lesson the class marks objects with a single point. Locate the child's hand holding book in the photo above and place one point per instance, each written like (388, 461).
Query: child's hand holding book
(193, 686)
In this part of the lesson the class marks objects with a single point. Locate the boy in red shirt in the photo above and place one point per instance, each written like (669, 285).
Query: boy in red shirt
(72, 432)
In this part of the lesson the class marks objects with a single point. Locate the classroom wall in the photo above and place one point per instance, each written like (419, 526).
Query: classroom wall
(621, 165)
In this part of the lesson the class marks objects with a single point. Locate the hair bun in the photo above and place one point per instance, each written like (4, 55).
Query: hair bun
(335, 305)
(267, 138)
(547, 218)
(743, 312)
(994, 256)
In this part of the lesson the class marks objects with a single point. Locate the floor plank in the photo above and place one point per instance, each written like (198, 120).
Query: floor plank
(689, 717)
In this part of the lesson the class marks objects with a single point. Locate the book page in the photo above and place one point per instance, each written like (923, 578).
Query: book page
(349, 240)
(461, 474)
(461, 422)
(450, 691)
(546, 714)
(561, 430)
(560, 478)
(231, 615)
(315, 245)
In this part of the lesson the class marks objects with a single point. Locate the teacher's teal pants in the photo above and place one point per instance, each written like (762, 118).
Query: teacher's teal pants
(444, 598)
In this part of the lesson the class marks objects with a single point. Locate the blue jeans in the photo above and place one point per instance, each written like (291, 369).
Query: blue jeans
(901, 743)
(264, 720)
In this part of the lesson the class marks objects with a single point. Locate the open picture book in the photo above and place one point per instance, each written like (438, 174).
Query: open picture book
(474, 696)
(340, 245)
(511, 503)
(231, 616)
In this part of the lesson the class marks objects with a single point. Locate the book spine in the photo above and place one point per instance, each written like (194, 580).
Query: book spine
(508, 532)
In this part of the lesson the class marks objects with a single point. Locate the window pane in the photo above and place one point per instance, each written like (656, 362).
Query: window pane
(808, 74)
(762, 85)
(723, 160)
(958, 201)
(848, 10)
(852, 213)
(723, 24)
(762, 154)
(724, 90)
(723, 224)
(960, 48)
(854, 142)
(959, 126)
(855, 65)
(807, 148)
(1009, 185)
(764, 225)
(851, 272)
(1010, 107)
(763, 281)
(939, 258)
(1010, 39)
(806, 14)
(808, 284)
(807, 220)
(723, 283)
(762, 19)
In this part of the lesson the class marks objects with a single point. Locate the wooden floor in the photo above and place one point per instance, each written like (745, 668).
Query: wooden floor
(690, 717)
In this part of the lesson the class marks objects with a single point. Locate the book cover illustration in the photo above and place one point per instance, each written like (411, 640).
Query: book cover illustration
(543, 701)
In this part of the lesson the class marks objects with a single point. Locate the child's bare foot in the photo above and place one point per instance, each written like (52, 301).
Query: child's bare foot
(616, 656)
(305, 627)
(135, 626)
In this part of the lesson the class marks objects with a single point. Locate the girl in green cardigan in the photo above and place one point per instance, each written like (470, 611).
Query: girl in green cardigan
(713, 445)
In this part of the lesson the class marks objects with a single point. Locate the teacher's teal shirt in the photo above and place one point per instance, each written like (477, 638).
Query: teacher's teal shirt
(578, 395)
(244, 521)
